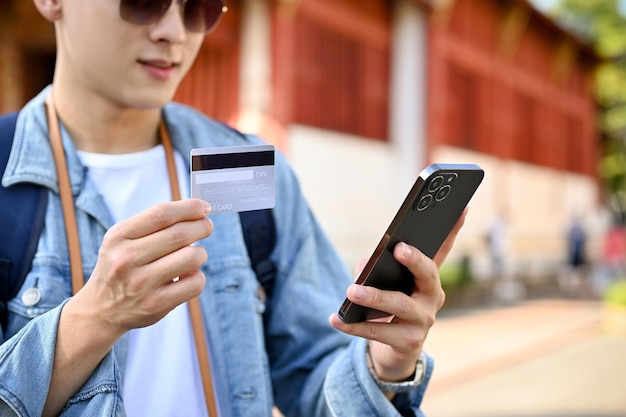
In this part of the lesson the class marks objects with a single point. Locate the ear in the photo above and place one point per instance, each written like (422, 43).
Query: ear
(50, 9)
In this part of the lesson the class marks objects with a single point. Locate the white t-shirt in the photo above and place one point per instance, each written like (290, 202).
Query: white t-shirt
(162, 378)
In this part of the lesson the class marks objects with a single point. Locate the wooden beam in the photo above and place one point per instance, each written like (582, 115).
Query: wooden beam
(564, 60)
(513, 27)
(342, 17)
(288, 8)
(442, 12)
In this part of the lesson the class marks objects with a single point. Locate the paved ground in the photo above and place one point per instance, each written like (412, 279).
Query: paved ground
(546, 358)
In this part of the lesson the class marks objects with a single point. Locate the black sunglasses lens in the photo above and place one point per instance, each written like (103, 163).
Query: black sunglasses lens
(203, 15)
(199, 15)
(143, 12)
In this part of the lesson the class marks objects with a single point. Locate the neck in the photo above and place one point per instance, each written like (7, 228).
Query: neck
(100, 126)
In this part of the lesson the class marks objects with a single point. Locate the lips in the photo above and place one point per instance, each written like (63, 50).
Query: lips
(160, 69)
(159, 63)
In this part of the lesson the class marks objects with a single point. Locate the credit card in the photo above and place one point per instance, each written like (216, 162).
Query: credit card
(234, 179)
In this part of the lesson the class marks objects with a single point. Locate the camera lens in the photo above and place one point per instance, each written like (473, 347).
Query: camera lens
(423, 202)
(443, 192)
(435, 183)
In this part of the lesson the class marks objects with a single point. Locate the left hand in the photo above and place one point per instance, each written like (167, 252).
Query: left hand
(396, 342)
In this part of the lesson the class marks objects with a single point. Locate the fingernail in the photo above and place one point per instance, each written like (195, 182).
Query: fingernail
(406, 250)
(206, 207)
(334, 320)
(358, 292)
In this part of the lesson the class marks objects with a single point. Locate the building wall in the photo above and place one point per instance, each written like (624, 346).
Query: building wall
(517, 98)
(540, 204)
(356, 184)
(504, 90)
(212, 84)
(332, 65)
(26, 53)
(511, 91)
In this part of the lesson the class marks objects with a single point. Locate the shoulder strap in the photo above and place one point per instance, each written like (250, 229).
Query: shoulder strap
(22, 212)
(259, 232)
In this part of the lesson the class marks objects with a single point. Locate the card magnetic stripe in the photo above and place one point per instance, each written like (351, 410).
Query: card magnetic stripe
(234, 160)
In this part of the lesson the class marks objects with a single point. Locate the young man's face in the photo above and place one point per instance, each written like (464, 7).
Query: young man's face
(130, 65)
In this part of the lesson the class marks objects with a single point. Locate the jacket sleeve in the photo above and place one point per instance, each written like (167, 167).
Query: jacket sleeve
(316, 370)
(349, 388)
(26, 364)
(26, 361)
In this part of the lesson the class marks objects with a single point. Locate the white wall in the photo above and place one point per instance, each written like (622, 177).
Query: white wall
(540, 204)
(355, 186)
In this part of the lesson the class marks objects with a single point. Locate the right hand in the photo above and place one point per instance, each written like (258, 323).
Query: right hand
(131, 286)
(132, 283)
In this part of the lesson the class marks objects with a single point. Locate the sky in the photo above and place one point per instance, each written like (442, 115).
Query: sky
(548, 4)
(544, 4)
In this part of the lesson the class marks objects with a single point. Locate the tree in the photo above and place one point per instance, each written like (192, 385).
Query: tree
(602, 23)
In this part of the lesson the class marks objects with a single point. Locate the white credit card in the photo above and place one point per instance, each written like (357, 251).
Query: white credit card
(234, 179)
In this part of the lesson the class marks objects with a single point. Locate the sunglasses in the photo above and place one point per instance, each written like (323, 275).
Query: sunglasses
(198, 15)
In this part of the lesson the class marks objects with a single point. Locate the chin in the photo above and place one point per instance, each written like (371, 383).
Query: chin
(149, 101)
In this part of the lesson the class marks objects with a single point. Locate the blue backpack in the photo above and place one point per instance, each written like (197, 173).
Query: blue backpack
(22, 212)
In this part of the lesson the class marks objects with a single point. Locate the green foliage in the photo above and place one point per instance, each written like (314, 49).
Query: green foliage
(602, 23)
(455, 274)
(616, 294)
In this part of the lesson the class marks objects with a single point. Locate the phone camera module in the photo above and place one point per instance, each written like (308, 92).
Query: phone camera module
(443, 192)
(435, 183)
(423, 202)
(451, 177)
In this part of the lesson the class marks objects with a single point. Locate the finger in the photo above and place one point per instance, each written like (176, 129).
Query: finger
(162, 216)
(395, 303)
(423, 268)
(400, 336)
(164, 242)
(176, 264)
(447, 245)
(189, 285)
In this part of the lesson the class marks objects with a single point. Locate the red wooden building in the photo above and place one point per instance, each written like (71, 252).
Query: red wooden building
(360, 94)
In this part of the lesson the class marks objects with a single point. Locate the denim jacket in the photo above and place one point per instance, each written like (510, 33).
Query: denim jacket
(295, 359)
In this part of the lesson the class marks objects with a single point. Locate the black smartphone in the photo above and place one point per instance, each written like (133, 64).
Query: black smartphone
(428, 214)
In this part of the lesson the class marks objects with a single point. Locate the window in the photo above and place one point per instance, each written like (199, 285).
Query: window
(341, 81)
(464, 96)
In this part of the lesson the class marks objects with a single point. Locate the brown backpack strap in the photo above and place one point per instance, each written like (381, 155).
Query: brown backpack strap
(67, 201)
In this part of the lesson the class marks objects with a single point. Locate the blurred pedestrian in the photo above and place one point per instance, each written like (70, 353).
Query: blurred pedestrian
(575, 281)
(613, 260)
(497, 240)
(503, 287)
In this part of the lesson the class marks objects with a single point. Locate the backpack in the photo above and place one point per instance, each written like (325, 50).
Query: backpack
(22, 212)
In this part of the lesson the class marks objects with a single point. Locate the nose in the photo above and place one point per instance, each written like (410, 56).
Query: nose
(171, 27)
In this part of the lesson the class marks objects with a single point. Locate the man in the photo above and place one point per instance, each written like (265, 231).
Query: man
(123, 344)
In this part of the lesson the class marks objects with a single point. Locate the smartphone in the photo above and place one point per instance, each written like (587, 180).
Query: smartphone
(428, 214)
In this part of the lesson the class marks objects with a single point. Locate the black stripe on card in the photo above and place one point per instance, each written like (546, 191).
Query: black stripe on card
(231, 160)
